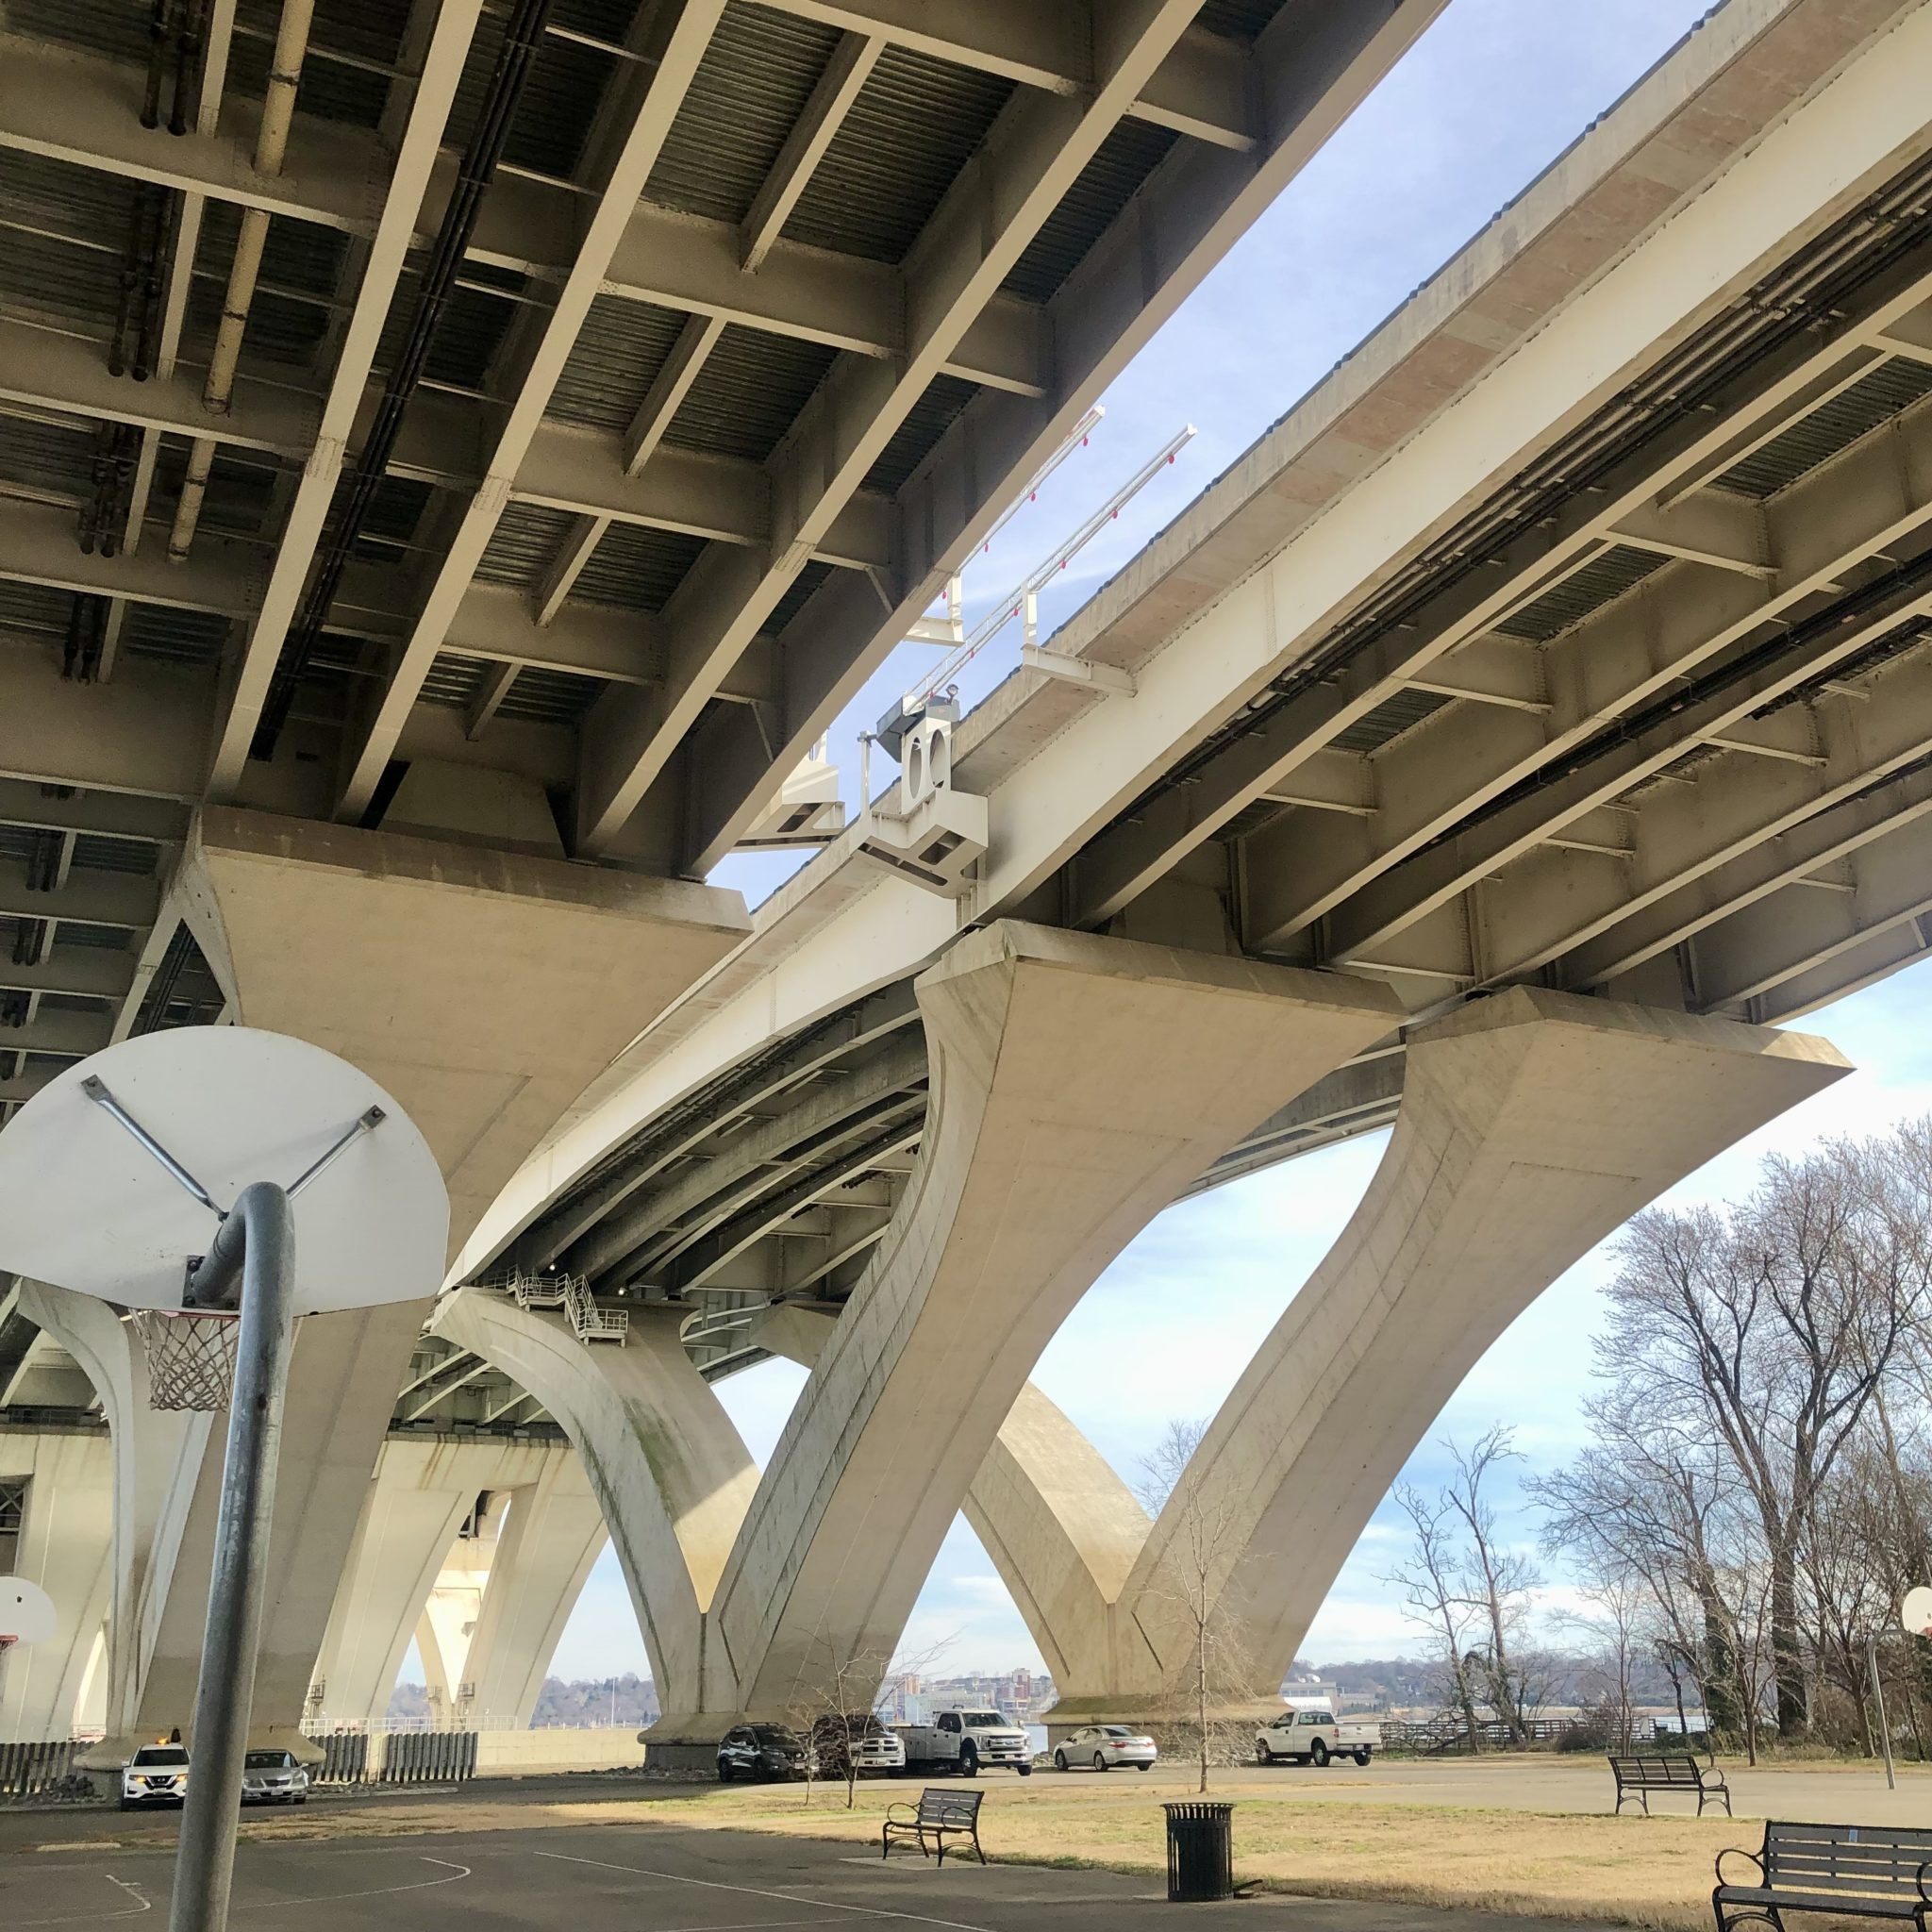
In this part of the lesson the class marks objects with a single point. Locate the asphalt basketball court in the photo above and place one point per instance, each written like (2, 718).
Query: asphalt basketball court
(642, 1878)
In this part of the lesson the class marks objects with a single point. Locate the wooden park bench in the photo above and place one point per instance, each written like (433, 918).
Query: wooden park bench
(1641, 1774)
(941, 1815)
(1856, 1870)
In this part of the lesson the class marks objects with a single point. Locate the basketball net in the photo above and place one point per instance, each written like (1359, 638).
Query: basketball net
(191, 1357)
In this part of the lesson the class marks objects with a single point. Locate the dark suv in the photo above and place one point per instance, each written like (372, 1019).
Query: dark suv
(760, 1751)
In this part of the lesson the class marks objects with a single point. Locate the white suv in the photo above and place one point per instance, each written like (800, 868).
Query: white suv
(155, 1775)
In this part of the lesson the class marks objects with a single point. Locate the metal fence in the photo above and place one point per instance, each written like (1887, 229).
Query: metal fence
(1446, 1736)
(27, 1770)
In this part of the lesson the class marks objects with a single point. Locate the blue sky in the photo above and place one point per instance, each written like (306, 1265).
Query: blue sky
(1489, 96)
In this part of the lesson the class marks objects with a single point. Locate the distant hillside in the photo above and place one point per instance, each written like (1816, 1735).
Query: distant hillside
(632, 1699)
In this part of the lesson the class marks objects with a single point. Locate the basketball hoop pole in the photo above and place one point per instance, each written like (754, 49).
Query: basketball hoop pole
(1878, 1695)
(255, 1244)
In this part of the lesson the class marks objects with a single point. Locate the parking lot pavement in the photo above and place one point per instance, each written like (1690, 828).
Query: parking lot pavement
(647, 1878)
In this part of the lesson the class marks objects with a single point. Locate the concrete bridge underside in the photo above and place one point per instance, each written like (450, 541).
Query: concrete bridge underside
(1537, 709)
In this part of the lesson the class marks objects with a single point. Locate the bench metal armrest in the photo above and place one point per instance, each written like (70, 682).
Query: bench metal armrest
(1918, 1880)
(901, 1806)
(1738, 1852)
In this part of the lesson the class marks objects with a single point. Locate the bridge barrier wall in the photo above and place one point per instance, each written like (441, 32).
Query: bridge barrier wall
(407, 1757)
(28, 1768)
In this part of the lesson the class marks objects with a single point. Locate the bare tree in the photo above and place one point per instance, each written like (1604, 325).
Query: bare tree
(1435, 1604)
(1771, 1326)
(1645, 1508)
(1497, 1582)
(1613, 1629)
(831, 1705)
(1207, 1541)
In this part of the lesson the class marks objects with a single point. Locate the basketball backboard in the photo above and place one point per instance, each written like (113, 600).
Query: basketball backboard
(85, 1205)
(26, 1612)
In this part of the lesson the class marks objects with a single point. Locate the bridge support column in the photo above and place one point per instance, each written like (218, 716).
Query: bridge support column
(65, 1544)
(482, 989)
(1078, 1085)
(663, 1458)
(1532, 1125)
(449, 1613)
(426, 1558)
(543, 1554)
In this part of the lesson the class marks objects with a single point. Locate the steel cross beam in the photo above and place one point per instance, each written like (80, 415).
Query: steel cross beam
(1307, 71)
(1843, 514)
(416, 154)
(1197, 90)
(593, 472)
(1768, 828)
(1860, 918)
(628, 147)
(972, 241)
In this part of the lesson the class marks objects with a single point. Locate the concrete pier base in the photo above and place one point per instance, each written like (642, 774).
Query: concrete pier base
(1078, 1085)
(1532, 1126)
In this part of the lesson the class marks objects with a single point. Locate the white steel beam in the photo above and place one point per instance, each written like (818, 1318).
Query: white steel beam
(848, 69)
(668, 390)
(145, 733)
(1856, 506)
(94, 898)
(85, 110)
(1788, 934)
(593, 472)
(37, 546)
(975, 236)
(1877, 956)
(443, 69)
(1196, 90)
(69, 373)
(1731, 836)
(672, 260)
(631, 142)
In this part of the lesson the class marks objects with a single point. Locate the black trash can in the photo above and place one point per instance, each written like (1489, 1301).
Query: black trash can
(1200, 1851)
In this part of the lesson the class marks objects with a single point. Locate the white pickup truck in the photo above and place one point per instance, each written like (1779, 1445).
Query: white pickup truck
(1309, 1733)
(963, 1741)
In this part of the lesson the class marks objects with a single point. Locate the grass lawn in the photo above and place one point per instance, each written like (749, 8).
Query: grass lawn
(1631, 1871)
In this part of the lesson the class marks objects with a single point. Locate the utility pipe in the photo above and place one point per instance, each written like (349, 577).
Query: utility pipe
(270, 144)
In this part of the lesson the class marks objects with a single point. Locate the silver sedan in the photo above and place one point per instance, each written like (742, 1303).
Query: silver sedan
(1105, 1747)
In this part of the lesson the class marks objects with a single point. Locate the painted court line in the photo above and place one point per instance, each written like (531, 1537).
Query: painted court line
(790, 1898)
(330, 1898)
(141, 1903)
